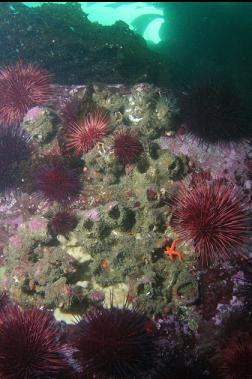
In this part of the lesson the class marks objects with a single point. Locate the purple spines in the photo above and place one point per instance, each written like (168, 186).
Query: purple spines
(14, 149)
(56, 182)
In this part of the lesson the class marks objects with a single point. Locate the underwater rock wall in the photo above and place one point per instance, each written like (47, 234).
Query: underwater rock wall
(112, 209)
(121, 213)
(61, 39)
(113, 237)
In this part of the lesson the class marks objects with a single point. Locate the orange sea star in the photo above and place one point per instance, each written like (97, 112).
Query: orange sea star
(172, 253)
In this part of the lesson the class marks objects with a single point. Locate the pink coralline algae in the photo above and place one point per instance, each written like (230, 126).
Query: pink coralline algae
(93, 215)
(97, 296)
(222, 161)
(172, 332)
(15, 210)
(33, 114)
(16, 242)
(37, 224)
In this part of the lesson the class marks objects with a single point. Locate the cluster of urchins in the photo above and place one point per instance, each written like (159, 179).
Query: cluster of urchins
(56, 179)
(106, 343)
(113, 343)
(211, 214)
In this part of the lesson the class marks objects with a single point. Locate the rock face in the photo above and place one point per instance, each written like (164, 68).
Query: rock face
(118, 249)
(121, 214)
(61, 39)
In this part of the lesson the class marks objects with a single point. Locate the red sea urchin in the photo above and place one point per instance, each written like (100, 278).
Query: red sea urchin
(114, 343)
(30, 345)
(213, 111)
(83, 136)
(58, 183)
(22, 87)
(127, 146)
(214, 218)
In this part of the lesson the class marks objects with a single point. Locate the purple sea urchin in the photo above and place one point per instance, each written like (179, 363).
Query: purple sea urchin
(214, 112)
(57, 183)
(29, 345)
(62, 222)
(234, 357)
(114, 343)
(14, 148)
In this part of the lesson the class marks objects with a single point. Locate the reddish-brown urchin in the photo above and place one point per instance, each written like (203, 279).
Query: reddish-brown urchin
(71, 110)
(234, 357)
(83, 136)
(22, 87)
(213, 216)
(214, 112)
(62, 222)
(30, 345)
(127, 146)
(56, 182)
(14, 149)
(114, 343)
